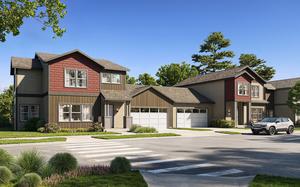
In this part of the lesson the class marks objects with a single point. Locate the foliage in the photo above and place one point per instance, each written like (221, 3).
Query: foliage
(63, 162)
(146, 79)
(21, 134)
(5, 158)
(54, 179)
(274, 181)
(5, 175)
(212, 58)
(96, 127)
(294, 98)
(49, 128)
(31, 161)
(297, 123)
(46, 171)
(33, 124)
(73, 130)
(140, 129)
(107, 137)
(221, 123)
(30, 180)
(22, 141)
(130, 80)
(258, 65)
(120, 165)
(6, 105)
(13, 14)
(171, 74)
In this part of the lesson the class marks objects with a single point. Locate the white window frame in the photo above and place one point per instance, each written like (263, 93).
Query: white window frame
(29, 112)
(255, 91)
(245, 90)
(71, 112)
(76, 78)
(111, 78)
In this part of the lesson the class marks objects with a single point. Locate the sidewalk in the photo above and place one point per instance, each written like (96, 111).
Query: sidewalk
(179, 180)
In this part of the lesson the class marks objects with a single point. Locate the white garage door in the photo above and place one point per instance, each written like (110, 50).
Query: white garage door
(150, 117)
(187, 118)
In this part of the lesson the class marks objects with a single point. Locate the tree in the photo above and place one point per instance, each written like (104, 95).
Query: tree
(258, 65)
(171, 74)
(6, 105)
(212, 58)
(294, 98)
(130, 80)
(146, 79)
(13, 12)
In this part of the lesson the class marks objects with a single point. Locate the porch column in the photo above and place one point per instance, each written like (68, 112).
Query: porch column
(249, 112)
(236, 115)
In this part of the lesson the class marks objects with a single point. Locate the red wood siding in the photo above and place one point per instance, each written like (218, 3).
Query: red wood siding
(245, 79)
(76, 61)
(229, 89)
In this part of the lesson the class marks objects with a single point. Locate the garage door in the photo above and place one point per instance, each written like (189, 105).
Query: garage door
(150, 117)
(187, 117)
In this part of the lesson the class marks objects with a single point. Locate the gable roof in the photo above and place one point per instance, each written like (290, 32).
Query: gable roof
(285, 83)
(220, 75)
(24, 63)
(106, 64)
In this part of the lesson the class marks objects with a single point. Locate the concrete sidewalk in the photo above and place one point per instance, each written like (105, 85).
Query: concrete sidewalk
(179, 180)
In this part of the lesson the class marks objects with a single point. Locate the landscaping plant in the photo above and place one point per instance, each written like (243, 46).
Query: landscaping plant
(30, 180)
(222, 123)
(5, 175)
(63, 162)
(140, 129)
(33, 124)
(5, 158)
(31, 161)
(49, 128)
(96, 127)
(120, 165)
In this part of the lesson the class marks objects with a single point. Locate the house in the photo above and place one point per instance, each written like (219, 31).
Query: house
(74, 90)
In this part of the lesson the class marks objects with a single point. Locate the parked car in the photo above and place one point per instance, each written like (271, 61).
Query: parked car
(272, 125)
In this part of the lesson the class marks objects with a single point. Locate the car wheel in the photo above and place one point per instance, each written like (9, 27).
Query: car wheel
(255, 132)
(290, 130)
(272, 131)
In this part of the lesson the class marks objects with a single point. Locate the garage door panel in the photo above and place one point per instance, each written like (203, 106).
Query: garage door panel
(187, 118)
(150, 118)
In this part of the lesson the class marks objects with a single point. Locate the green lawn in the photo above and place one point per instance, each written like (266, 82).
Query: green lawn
(21, 141)
(135, 136)
(23, 134)
(228, 132)
(193, 129)
(274, 181)
(132, 179)
(297, 128)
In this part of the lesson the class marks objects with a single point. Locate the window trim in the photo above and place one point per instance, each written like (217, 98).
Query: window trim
(29, 111)
(70, 112)
(110, 75)
(238, 88)
(76, 78)
(253, 91)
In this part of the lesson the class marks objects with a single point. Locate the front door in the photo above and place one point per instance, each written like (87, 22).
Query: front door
(242, 113)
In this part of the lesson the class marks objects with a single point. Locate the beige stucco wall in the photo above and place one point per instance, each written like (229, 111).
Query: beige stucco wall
(261, 91)
(119, 113)
(216, 92)
(29, 81)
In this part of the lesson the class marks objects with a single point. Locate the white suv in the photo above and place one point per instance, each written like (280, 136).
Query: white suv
(273, 125)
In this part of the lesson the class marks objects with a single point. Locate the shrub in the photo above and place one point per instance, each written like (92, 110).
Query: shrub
(49, 128)
(72, 130)
(5, 158)
(30, 180)
(5, 175)
(47, 171)
(96, 127)
(31, 161)
(222, 123)
(33, 124)
(140, 129)
(133, 127)
(63, 162)
(120, 165)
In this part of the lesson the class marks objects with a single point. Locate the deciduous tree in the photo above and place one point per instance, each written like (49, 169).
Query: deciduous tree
(146, 79)
(6, 105)
(294, 98)
(130, 80)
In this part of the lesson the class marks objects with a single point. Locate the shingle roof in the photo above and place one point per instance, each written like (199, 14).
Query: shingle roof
(269, 86)
(113, 95)
(24, 63)
(219, 75)
(285, 83)
(46, 57)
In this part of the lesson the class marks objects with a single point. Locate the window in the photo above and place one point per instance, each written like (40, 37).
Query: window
(188, 111)
(153, 109)
(135, 110)
(75, 113)
(202, 110)
(144, 110)
(196, 110)
(163, 110)
(179, 110)
(75, 78)
(109, 110)
(255, 91)
(256, 114)
(243, 89)
(29, 111)
(111, 78)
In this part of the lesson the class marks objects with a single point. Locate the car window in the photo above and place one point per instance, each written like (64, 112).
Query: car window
(284, 119)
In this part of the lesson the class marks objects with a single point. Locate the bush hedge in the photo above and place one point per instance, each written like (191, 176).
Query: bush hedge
(222, 123)
(120, 165)
(49, 128)
(5, 175)
(63, 162)
(30, 180)
(96, 127)
(140, 129)
(31, 161)
(33, 124)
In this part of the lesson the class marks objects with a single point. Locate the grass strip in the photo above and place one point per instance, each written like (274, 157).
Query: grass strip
(274, 181)
(193, 129)
(24, 134)
(135, 136)
(23, 141)
(228, 132)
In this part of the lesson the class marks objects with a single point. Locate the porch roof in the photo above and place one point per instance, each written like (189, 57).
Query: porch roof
(116, 95)
(260, 101)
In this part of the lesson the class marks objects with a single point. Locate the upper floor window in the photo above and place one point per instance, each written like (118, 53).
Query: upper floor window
(75, 78)
(255, 91)
(243, 89)
(111, 78)
(29, 111)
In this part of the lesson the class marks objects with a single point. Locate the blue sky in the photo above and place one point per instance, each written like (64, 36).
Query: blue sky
(145, 34)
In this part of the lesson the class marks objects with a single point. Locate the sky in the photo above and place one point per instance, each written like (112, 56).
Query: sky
(145, 34)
